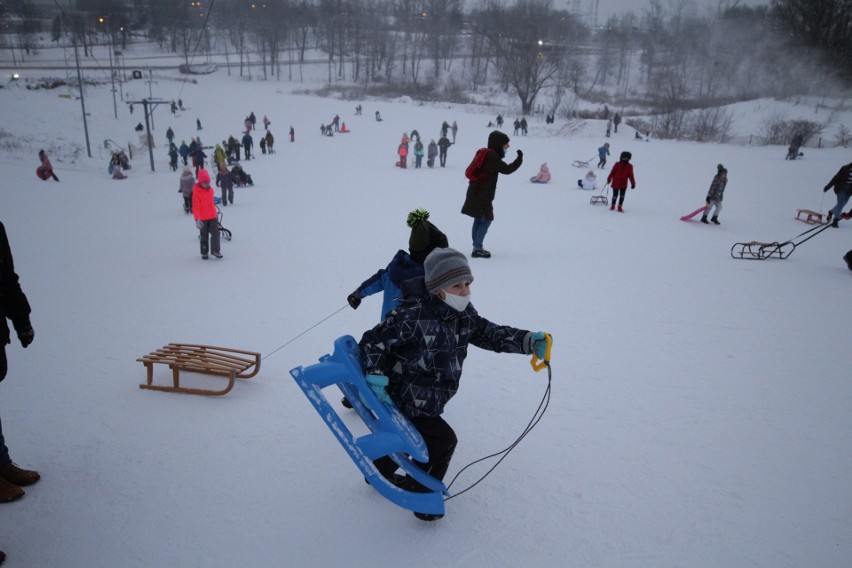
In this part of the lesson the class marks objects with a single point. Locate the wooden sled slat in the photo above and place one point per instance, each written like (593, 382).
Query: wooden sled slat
(203, 359)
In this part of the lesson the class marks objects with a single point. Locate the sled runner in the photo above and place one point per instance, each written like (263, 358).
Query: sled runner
(581, 163)
(756, 250)
(601, 197)
(693, 214)
(223, 232)
(811, 217)
(204, 359)
(391, 434)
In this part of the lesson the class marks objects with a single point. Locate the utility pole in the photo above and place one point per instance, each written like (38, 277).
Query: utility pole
(79, 81)
(151, 81)
(148, 106)
(82, 98)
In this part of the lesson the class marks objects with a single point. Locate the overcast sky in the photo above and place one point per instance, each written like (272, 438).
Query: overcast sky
(606, 8)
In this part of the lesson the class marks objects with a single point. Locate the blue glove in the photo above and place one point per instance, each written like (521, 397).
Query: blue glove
(199, 224)
(538, 344)
(378, 384)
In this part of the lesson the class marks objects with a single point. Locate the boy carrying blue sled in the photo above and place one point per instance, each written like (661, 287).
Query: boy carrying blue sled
(413, 363)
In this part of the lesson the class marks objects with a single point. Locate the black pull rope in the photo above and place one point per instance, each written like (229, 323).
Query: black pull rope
(537, 416)
(304, 332)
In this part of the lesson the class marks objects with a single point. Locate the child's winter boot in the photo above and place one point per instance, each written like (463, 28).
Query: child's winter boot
(612, 207)
(704, 220)
(620, 210)
(715, 221)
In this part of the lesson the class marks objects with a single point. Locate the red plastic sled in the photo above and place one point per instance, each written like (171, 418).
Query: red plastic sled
(693, 214)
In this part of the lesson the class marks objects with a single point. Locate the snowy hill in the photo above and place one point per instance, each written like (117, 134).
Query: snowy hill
(700, 410)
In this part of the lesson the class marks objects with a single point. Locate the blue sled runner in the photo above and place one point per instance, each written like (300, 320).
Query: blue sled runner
(391, 434)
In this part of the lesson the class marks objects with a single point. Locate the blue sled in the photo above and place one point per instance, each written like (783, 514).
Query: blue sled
(391, 434)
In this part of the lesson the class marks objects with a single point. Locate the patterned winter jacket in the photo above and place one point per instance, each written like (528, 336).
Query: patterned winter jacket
(717, 188)
(421, 347)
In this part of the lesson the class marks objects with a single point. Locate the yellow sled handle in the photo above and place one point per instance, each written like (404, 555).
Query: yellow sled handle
(537, 364)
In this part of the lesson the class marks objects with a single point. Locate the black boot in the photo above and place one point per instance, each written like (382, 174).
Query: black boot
(704, 219)
(715, 221)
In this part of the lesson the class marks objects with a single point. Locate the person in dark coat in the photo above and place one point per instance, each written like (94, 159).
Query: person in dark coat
(413, 358)
(479, 201)
(234, 148)
(443, 144)
(198, 158)
(247, 145)
(183, 151)
(225, 180)
(14, 307)
(173, 156)
(270, 140)
(431, 154)
(842, 184)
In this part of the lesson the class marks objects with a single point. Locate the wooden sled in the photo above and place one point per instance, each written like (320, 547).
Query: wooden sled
(810, 217)
(204, 359)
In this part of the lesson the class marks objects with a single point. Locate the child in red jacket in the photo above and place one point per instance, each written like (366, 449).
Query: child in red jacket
(206, 215)
(621, 173)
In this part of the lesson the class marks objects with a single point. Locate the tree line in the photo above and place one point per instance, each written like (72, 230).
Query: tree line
(673, 57)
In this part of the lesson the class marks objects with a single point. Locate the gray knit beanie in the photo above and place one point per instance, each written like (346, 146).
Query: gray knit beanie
(445, 267)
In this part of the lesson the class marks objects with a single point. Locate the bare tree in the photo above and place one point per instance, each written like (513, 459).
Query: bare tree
(528, 40)
(824, 24)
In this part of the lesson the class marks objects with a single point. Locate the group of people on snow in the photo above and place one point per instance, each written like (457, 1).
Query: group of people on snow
(418, 150)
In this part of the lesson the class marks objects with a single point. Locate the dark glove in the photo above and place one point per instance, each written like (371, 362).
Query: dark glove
(825, 189)
(520, 154)
(26, 336)
(354, 300)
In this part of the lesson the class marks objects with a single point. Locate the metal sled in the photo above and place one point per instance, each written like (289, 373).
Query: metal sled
(755, 250)
(581, 163)
(223, 232)
(391, 434)
(601, 198)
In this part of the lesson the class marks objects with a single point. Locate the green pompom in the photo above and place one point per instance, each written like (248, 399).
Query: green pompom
(417, 216)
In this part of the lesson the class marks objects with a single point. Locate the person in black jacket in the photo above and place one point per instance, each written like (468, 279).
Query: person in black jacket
(842, 184)
(13, 306)
(479, 202)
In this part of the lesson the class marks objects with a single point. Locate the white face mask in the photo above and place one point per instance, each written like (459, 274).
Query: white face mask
(458, 303)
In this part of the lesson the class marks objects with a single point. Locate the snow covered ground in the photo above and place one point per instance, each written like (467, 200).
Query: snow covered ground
(700, 408)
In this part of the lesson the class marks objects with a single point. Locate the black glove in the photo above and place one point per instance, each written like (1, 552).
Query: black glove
(354, 300)
(26, 336)
(825, 189)
(520, 154)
